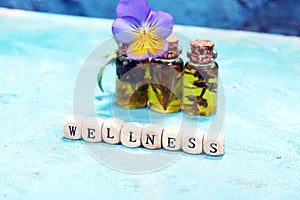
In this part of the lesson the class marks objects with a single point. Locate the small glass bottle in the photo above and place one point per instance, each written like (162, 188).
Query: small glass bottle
(131, 80)
(200, 79)
(165, 88)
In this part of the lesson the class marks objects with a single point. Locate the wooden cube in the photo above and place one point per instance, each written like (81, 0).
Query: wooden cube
(192, 139)
(92, 129)
(151, 136)
(131, 134)
(214, 144)
(72, 127)
(171, 138)
(111, 130)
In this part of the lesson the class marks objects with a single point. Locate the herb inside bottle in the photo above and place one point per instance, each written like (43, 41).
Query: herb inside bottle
(131, 80)
(200, 79)
(165, 89)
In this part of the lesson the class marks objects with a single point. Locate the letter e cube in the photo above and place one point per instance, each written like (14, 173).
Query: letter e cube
(171, 138)
(92, 129)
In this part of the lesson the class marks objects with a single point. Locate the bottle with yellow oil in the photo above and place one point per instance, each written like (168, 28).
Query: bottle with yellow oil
(200, 79)
(165, 87)
(132, 78)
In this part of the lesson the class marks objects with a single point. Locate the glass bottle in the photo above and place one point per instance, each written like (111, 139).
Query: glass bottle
(200, 79)
(131, 80)
(165, 87)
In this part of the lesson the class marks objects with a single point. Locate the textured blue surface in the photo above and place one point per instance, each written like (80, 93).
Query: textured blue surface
(40, 58)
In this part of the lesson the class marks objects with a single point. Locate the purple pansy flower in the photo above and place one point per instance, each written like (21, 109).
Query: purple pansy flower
(144, 30)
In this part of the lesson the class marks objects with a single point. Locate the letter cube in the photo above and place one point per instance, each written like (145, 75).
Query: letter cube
(131, 134)
(72, 127)
(92, 129)
(214, 144)
(192, 139)
(151, 136)
(111, 130)
(171, 138)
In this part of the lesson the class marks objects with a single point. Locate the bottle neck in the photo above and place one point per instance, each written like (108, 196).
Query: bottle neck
(210, 64)
(167, 59)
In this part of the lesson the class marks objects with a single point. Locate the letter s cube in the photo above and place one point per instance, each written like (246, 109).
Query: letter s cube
(192, 139)
(214, 144)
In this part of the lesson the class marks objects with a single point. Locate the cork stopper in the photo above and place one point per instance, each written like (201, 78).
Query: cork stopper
(202, 51)
(173, 43)
(122, 49)
(173, 51)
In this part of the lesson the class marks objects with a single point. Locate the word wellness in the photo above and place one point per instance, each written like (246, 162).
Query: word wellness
(151, 136)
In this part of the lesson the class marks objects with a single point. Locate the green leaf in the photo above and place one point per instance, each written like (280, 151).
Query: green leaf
(108, 60)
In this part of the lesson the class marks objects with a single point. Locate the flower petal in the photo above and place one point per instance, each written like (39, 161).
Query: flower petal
(158, 48)
(138, 9)
(161, 22)
(146, 46)
(124, 29)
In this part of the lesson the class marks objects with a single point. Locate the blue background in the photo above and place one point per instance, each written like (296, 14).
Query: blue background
(272, 16)
(41, 57)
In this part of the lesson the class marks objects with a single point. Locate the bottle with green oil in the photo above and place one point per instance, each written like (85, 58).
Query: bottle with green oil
(200, 82)
(165, 87)
(132, 78)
